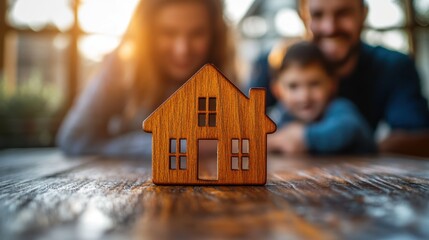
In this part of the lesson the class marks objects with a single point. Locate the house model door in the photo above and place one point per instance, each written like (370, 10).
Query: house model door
(208, 159)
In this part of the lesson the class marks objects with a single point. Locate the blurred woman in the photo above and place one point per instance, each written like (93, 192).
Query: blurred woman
(166, 43)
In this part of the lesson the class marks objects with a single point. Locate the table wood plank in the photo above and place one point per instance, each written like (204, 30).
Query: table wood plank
(44, 195)
(26, 165)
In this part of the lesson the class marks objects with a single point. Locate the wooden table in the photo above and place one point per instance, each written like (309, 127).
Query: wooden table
(44, 195)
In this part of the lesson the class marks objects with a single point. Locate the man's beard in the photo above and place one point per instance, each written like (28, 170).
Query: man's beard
(351, 53)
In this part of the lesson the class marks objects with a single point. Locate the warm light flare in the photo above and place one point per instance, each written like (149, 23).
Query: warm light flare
(41, 13)
(95, 46)
(127, 50)
(109, 20)
(104, 20)
(106, 16)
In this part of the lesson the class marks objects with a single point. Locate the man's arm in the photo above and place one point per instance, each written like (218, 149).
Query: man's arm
(406, 108)
(406, 143)
(341, 129)
(407, 113)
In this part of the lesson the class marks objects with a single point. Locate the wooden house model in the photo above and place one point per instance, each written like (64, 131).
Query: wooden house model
(209, 110)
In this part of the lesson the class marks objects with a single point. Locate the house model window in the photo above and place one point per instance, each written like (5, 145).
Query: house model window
(178, 153)
(240, 153)
(207, 111)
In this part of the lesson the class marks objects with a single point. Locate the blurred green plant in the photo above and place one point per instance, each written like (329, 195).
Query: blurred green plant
(30, 99)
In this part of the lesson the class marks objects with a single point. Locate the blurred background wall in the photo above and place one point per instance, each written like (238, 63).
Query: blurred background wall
(49, 49)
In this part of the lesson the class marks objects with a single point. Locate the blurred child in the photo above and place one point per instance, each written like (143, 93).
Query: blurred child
(309, 117)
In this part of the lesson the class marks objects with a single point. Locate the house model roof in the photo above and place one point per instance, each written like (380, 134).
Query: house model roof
(200, 78)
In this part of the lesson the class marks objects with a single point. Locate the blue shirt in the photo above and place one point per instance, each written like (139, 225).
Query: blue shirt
(341, 129)
(384, 85)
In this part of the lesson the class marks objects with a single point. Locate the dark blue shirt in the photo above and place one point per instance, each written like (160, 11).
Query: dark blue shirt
(384, 86)
(341, 129)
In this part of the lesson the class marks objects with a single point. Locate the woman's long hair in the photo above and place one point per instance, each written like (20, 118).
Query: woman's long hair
(147, 88)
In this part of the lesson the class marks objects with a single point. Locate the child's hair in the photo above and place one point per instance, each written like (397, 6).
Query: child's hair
(303, 53)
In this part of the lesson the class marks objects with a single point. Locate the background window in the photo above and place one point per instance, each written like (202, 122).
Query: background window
(50, 49)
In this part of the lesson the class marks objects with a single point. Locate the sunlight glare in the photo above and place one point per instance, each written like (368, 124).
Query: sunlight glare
(109, 20)
(94, 47)
(236, 9)
(106, 16)
(384, 14)
(288, 23)
(38, 14)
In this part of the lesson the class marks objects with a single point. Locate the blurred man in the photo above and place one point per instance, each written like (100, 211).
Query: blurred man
(383, 84)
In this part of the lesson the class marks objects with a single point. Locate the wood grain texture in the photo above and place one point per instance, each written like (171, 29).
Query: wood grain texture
(44, 195)
(236, 117)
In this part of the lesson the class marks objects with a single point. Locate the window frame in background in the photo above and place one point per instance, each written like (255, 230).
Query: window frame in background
(75, 33)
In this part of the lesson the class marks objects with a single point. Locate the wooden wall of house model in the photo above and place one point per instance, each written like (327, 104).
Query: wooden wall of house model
(208, 107)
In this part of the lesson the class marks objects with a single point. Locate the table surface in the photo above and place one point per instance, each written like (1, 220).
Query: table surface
(44, 195)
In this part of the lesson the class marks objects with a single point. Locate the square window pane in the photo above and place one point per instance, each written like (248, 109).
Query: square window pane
(106, 16)
(421, 8)
(234, 163)
(33, 88)
(245, 163)
(37, 58)
(37, 15)
(212, 104)
(245, 146)
(385, 14)
(394, 39)
(173, 162)
(234, 146)
(182, 162)
(182, 145)
(212, 119)
(201, 104)
(172, 145)
(201, 119)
